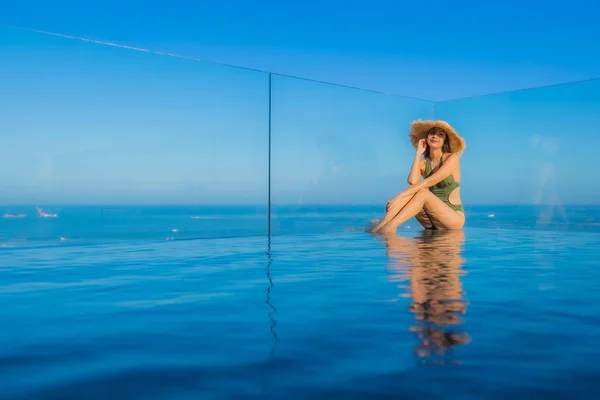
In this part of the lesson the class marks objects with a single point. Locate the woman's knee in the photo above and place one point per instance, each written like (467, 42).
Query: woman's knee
(422, 193)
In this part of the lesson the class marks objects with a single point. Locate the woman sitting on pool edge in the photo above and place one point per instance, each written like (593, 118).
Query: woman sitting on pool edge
(435, 200)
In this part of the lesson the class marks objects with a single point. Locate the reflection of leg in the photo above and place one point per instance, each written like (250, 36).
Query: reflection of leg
(401, 251)
(438, 211)
(392, 212)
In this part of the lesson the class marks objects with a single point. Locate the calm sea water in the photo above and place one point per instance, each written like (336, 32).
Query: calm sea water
(82, 225)
(112, 303)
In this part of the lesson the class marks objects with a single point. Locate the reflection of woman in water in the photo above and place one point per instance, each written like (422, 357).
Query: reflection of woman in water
(435, 199)
(433, 266)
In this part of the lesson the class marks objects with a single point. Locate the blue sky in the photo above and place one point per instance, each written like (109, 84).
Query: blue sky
(90, 123)
(435, 49)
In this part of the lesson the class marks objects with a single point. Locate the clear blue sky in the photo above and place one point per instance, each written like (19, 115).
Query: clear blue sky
(90, 123)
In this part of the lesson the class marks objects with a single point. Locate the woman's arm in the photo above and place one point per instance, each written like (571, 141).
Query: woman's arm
(442, 173)
(416, 169)
(414, 176)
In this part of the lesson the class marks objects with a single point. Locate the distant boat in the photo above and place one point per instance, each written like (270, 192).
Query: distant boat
(42, 214)
(8, 215)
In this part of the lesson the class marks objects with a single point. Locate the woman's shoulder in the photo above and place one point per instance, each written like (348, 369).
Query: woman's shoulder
(448, 156)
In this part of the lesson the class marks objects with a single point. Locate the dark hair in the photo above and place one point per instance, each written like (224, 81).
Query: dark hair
(445, 147)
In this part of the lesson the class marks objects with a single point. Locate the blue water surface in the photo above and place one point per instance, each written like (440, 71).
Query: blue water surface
(320, 310)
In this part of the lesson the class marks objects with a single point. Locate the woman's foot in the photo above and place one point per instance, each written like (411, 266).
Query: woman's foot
(372, 224)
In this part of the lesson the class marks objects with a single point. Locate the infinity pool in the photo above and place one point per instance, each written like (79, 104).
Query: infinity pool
(486, 313)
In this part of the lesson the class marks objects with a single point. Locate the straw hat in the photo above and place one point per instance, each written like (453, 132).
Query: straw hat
(419, 129)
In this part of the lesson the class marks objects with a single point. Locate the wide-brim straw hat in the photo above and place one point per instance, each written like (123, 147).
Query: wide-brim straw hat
(420, 128)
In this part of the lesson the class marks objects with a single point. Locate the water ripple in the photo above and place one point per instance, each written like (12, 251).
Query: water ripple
(483, 313)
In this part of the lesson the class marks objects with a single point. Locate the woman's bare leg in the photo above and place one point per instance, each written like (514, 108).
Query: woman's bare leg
(441, 215)
(421, 217)
(391, 212)
(424, 219)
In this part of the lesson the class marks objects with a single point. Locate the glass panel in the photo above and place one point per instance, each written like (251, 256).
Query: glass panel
(533, 148)
(337, 154)
(123, 144)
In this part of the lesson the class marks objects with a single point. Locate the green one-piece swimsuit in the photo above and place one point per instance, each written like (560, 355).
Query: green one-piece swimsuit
(443, 189)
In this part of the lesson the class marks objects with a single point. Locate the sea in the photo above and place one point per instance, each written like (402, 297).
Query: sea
(223, 302)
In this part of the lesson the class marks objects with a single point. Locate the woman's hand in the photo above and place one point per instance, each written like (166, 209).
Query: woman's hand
(397, 197)
(421, 146)
(409, 191)
(389, 204)
(392, 201)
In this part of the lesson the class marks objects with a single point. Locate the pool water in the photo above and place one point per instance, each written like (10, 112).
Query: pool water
(482, 313)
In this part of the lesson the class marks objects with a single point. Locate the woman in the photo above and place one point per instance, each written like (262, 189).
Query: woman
(434, 200)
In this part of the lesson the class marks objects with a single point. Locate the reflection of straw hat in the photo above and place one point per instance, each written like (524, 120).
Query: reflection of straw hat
(420, 128)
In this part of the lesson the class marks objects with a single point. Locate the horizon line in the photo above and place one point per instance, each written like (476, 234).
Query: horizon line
(262, 205)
